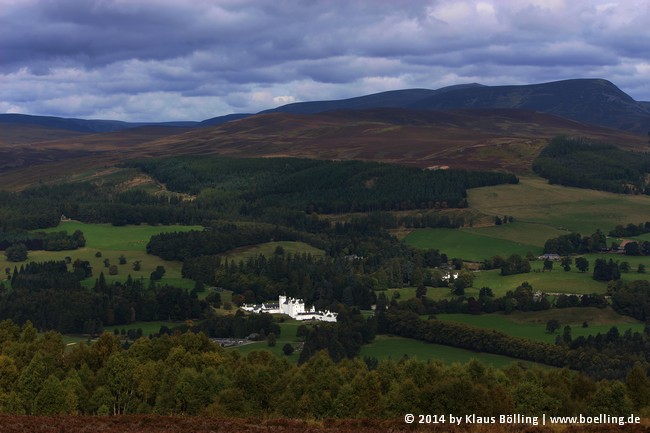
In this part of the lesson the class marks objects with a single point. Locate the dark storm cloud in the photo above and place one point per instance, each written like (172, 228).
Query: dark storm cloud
(165, 59)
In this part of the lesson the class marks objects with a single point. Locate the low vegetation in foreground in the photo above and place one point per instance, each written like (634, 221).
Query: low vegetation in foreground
(205, 424)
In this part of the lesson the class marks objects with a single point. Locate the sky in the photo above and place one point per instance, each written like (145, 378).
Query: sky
(162, 60)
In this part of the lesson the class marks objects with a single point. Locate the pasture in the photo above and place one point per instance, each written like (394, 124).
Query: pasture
(519, 232)
(531, 325)
(554, 281)
(540, 211)
(268, 249)
(467, 245)
(644, 237)
(288, 330)
(561, 208)
(148, 328)
(112, 242)
(387, 347)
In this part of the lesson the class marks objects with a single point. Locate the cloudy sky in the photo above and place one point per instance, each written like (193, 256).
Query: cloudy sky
(158, 60)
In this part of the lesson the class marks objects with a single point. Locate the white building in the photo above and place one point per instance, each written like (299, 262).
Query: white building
(294, 308)
(450, 276)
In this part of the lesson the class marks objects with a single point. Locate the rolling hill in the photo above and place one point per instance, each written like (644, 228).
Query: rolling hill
(391, 99)
(593, 101)
(483, 139)
(466, 126)
(597, 102)
(503, 139)
(80, 125)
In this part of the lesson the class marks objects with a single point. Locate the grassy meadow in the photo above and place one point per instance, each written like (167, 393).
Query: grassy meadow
(268, 249)
(562, 208)
(112, 242)
(131, 241)
(384, 347)
(467, 245)
(288, 330)
(554, 281)
(541, 212)
(391, 347)
(532, 325)
(148, 328)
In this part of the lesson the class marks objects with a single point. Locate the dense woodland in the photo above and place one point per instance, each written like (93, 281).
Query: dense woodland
(52, 298)
(573, 243)
(282, 191)
(316, 186)
(56, 241)
(187, 374)
(576, 162)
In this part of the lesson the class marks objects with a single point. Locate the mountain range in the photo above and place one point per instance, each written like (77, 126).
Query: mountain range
(468, 126)
(593, 101)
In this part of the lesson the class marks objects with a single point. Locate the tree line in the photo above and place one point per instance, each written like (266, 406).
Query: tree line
(602, 357)
(318, 186)
(55, 241)
(52, 298)
(187, 374)
(573, 243)
(583, 164)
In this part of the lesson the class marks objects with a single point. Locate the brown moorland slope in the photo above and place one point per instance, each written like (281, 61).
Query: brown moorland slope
(492, 139)
(20, 134)
(477, 139)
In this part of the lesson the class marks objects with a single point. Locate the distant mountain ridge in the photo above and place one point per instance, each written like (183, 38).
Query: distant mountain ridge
(82, 125)
(390, 99)
(590, 101)
(594, 101)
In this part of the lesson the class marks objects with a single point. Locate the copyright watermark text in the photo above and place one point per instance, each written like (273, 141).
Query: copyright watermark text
(410, 418)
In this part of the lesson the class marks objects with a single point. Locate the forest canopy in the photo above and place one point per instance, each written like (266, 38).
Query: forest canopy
(320, 186)
(577, 162)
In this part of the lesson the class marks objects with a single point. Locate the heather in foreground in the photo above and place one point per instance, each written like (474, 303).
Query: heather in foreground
(167, 424)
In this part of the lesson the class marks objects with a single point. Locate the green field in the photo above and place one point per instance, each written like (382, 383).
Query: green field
(534, 201)
(384, 347)
(112, 242)
(519, 232)
(268, 249)
(148, 328)
(540, 211)
(288, 330)
(123, 238)
(532, 325)
(554, 281)
(395, 348)
(644, 237)
(467, 245)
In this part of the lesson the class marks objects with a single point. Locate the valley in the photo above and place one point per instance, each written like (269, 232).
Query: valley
(422, 228)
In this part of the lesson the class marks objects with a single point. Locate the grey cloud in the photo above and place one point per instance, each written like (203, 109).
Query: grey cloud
(238, 55)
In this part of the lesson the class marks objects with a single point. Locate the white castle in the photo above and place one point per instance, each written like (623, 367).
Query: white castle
(294, 308)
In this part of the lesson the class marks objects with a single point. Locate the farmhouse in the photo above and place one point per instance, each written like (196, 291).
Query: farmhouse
(294, 308)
